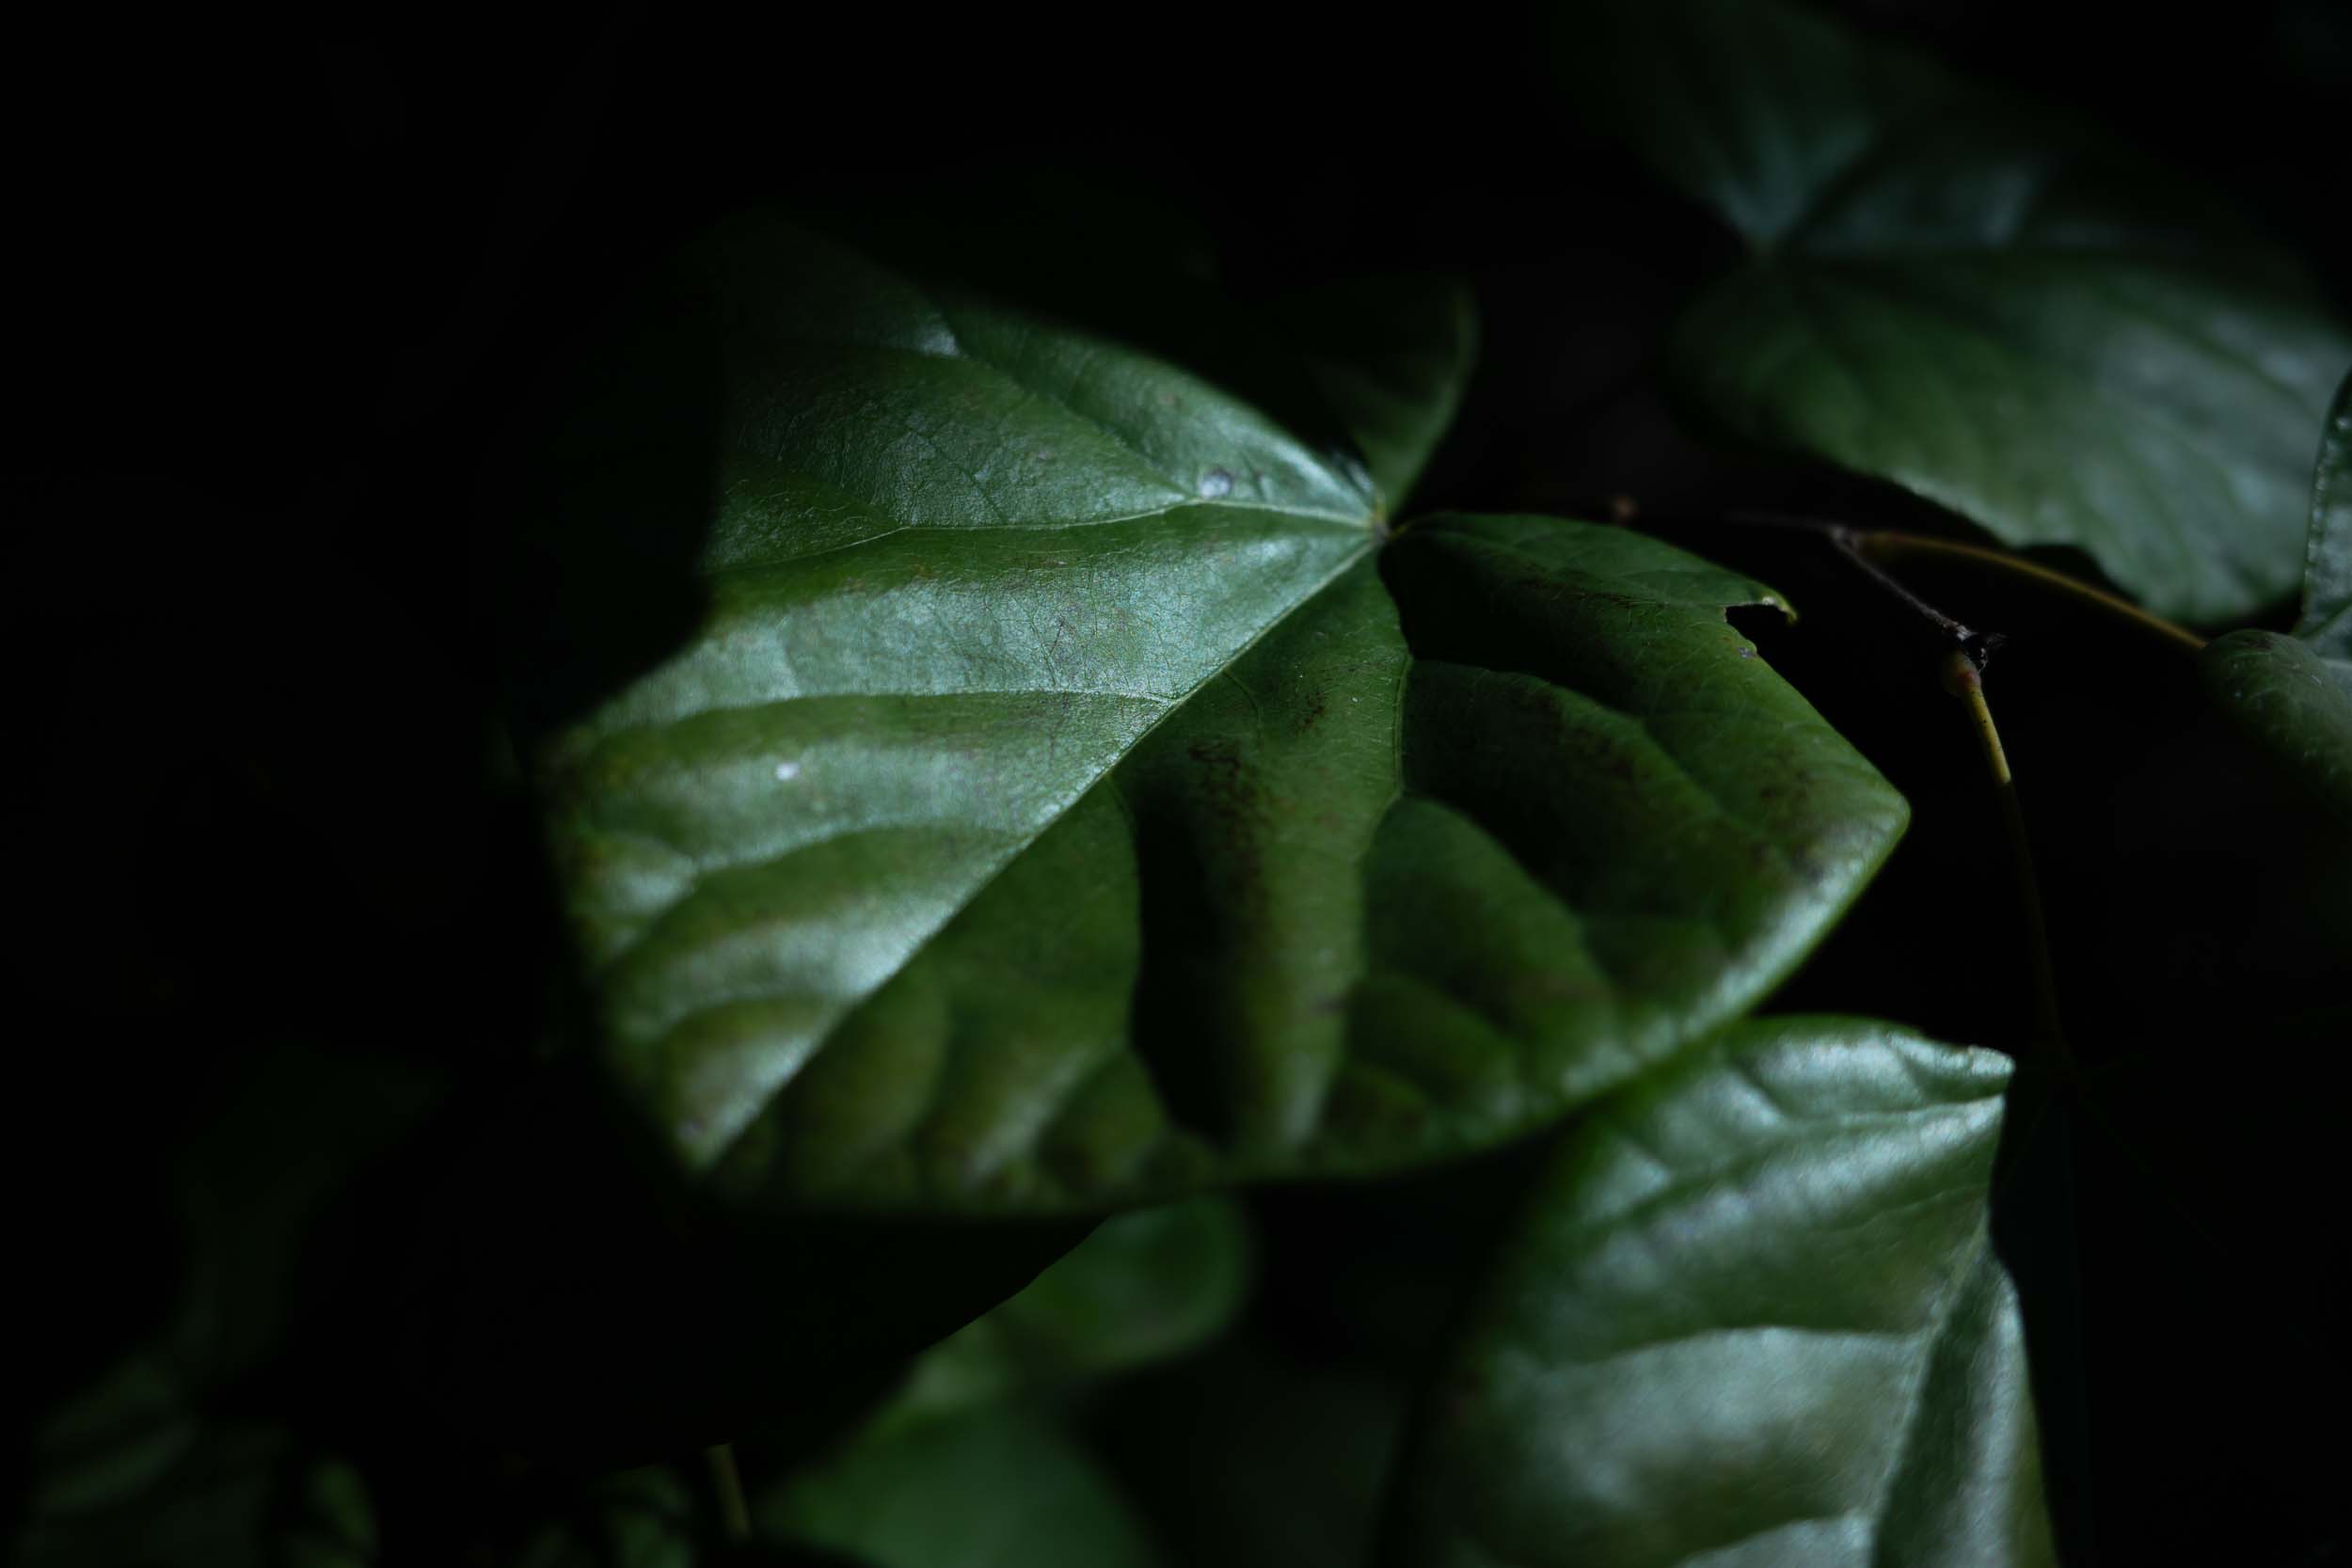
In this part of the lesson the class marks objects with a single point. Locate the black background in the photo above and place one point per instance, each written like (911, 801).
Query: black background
(292, 289)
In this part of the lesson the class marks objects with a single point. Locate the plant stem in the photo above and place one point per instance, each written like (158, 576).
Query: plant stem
(1878, 547)
(733, 1512)
(1887, 546)
(1965, 652)
(1849, 545)
(1962, 680)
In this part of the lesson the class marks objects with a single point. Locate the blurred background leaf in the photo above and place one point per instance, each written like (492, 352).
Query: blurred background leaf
(2006, 311)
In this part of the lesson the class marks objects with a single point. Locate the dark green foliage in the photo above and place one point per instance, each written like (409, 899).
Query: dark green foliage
(1092, 690)
(2062, 342)
(1066, 871)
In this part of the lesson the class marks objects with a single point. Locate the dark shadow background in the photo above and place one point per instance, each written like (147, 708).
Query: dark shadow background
(297, 292)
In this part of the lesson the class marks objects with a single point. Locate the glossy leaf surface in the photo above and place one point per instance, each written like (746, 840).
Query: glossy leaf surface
(1753, 1316)
(2327, 622)
(1057, 806)
(2060, 341)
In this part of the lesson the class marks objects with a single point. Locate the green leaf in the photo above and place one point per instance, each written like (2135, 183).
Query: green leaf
(2291, 704)
(1056, 805)
(1392, 356)
(2327, 622)
(997, 1485)
(159, 1457)
(2006, 314)
(2292, 697)
(1753, 1314)
(259, 1177)
(132, 1470)
(1144, 1286)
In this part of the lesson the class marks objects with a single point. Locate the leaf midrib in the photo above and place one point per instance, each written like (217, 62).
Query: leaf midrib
(1366, 522)
(980, 885)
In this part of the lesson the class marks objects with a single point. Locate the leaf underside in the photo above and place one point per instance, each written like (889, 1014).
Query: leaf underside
(1064, 800)
(1752, 1316)
(2003, 313)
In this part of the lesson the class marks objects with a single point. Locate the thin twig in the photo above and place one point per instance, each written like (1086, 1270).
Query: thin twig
(1886, 544)
(1965, 655)
(1976, 645)
(1880, 546)
(1963, 680)
(1945, 628)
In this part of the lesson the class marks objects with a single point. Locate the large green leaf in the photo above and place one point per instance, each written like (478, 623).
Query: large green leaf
(1753, 1316)
(2062, 342)
(1054, 803)
(991, 1486)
